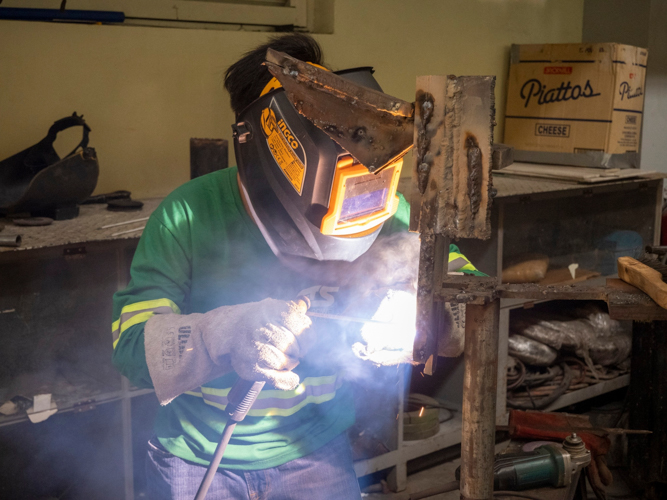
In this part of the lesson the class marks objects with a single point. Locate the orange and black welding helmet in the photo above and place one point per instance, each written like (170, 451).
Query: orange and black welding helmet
(308, 195)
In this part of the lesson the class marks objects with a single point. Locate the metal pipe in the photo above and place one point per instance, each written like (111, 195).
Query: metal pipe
(10, 240)
(479, 400)
(129, 231)
(123, 223)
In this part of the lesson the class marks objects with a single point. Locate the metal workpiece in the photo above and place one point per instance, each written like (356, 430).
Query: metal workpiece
(433, 255)
(374, 127)
(10, 240)
(479, 401)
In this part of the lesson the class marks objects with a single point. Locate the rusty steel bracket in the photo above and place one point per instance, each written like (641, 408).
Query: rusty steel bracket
(451, 179)
(374, 127)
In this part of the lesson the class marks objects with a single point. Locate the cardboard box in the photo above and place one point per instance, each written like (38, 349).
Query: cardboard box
(576, 104)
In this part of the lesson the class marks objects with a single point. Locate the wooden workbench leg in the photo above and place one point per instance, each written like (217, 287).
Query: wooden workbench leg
(479, 401)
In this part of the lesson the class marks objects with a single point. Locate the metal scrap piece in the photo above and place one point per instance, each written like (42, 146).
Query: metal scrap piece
(374, 127)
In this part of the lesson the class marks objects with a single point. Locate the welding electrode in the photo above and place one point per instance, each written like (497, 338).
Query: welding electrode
(241, 397)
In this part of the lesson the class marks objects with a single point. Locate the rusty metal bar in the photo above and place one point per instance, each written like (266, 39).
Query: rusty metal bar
(479, 400)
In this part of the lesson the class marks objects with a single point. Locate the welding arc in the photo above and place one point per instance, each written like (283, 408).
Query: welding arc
(337, 317)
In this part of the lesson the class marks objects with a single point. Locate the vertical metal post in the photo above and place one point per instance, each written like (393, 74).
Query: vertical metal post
(479, 400)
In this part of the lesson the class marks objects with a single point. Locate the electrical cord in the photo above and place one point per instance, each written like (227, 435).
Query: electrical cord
(538, 404)
(418, 400)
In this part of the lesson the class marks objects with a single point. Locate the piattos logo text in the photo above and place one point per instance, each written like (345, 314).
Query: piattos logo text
(535, 91)
(626, 92)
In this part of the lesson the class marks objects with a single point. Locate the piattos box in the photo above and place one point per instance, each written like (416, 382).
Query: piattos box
(576, 104)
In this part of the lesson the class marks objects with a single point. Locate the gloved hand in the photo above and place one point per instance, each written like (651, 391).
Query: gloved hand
(259, 340)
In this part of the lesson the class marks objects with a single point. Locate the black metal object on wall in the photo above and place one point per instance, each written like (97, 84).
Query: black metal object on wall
(207, 155)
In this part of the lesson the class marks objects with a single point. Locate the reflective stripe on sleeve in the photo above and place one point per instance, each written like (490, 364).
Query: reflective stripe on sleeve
(271, 402)
(139, 312)
(458, 262)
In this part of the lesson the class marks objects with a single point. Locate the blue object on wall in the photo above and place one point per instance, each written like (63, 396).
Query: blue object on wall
(618, 244)
(93, 16)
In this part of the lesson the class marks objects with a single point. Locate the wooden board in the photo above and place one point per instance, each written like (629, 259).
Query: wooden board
(563, 277)
(573, 174)
(627, 302)
(645, 278)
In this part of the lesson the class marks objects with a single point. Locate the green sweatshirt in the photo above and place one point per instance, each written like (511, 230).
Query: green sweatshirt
(201, 250)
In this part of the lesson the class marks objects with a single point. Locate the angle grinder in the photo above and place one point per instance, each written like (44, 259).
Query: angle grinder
(548, 465)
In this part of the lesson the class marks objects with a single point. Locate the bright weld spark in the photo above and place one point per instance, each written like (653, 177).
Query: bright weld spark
(189, 349)
(398, 312)
(421, 412)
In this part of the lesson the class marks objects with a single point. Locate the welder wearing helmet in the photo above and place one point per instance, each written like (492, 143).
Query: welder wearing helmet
(213, 293)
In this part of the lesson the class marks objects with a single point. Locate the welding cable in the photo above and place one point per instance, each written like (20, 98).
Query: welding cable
(419, 400)
(536, 379)
(546, 401)
(582, 369)
(519, 378)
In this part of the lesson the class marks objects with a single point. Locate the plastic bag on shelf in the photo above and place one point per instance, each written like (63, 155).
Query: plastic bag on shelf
(590, 333)
(531, 351)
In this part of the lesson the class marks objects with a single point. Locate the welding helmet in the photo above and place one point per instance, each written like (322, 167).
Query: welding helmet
(309, 196)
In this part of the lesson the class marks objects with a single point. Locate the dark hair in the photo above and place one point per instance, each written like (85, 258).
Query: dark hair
(247, 77)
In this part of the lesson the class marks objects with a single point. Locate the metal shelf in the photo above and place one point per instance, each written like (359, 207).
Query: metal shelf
(79, 404)
(589, 392)
(517, 303)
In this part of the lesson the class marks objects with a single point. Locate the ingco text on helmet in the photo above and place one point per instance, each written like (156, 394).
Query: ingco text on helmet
(286, 149)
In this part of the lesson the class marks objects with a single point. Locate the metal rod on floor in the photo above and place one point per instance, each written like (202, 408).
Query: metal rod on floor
(479, 400)
(123, 223)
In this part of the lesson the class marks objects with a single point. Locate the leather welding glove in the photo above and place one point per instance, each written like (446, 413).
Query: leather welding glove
(259, 340)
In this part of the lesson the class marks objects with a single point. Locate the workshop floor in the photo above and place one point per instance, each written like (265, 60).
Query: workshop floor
(444, 473)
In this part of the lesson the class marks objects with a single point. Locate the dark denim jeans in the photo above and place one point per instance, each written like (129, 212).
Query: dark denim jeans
(326, 474)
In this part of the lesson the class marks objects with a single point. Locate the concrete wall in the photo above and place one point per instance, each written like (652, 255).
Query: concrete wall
(642, 23)
(146, 91)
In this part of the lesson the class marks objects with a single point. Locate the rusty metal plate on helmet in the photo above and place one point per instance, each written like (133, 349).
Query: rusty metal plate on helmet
(376, 128)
